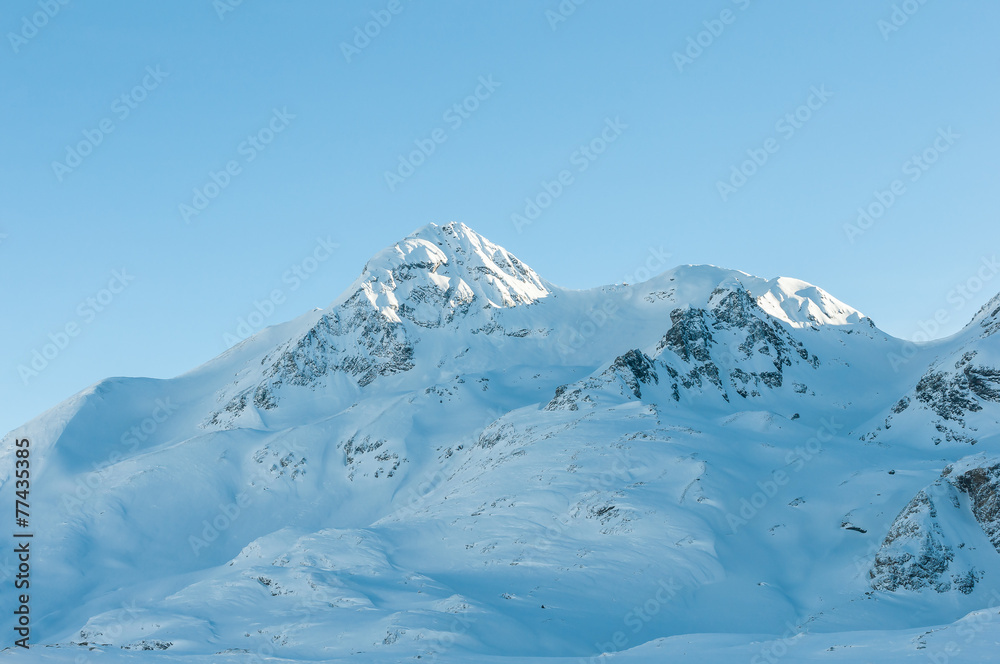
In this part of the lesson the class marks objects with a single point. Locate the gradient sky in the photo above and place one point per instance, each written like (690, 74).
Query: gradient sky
(223, 70)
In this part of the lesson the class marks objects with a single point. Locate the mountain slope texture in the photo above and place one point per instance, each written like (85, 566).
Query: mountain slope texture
(459, 461)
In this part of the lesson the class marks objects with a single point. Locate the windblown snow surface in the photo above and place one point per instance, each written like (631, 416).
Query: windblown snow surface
(458, 461)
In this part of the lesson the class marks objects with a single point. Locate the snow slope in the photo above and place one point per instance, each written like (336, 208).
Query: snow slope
(459, 460)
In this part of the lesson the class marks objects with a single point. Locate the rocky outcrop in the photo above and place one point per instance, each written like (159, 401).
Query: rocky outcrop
(952, 395)
(948, 393)
(757, 352)
(914, 553)
(352, 340)
(982, 485)
(635, 369)
(629, 372)
(926, 546)
(732, 344)
(690, 339)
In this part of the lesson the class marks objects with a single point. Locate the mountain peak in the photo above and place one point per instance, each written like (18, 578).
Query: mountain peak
(445, 267)
(796, 302)
(800, 303)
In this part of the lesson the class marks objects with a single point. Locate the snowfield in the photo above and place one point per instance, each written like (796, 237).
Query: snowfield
(458, 461)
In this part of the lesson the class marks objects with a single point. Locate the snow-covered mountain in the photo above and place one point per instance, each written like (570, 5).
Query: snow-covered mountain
(458, 460)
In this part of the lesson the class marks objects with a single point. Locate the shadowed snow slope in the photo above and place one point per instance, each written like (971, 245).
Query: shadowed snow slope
(457, 459)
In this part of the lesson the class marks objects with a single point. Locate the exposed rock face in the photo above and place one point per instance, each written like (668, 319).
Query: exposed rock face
(926, 546)
(953, 394)
(758, 336)
(629, 372)
(730, 344)
(352, 339)
(763, 336)
(982, 485)
(363, 346)
(690, 339)
(914, 554)
(635, 369)
(948, 393)
(689, 336)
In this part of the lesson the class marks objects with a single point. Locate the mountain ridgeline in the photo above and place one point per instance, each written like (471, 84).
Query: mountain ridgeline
(457, 458)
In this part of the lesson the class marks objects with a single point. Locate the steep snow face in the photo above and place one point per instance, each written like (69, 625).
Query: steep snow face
(799, 304)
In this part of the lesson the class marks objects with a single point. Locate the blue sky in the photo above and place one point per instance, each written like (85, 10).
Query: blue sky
(117, 114)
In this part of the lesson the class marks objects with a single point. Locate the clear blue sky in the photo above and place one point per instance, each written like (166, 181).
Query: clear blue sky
(208, 79)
